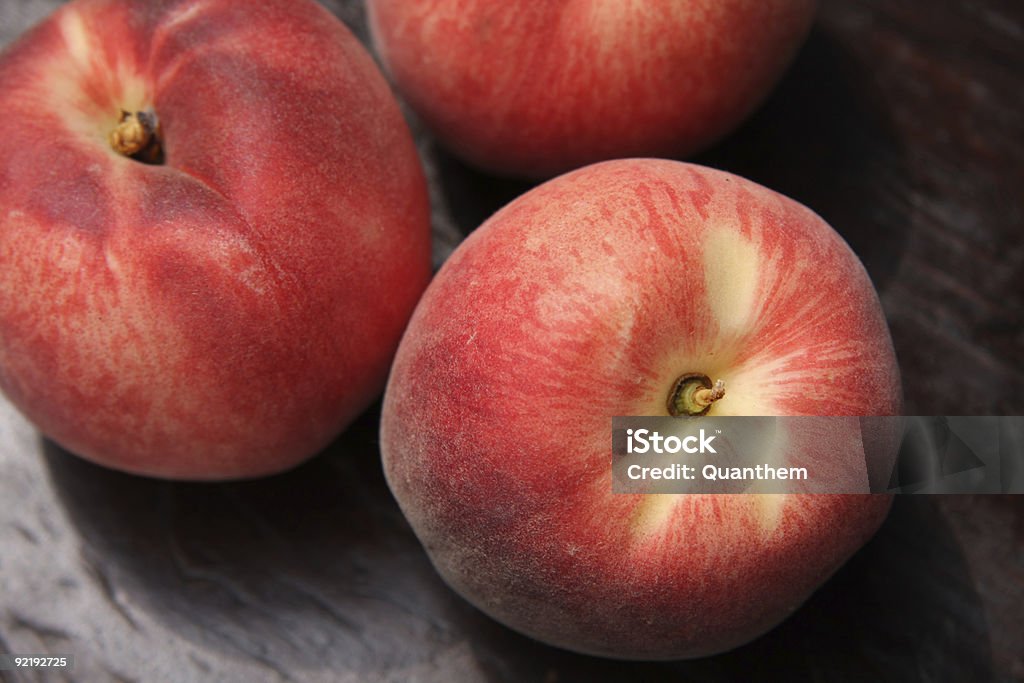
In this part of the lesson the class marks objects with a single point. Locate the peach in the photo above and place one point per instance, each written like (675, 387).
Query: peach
(213, 229)
(590, 297)
(540, 87)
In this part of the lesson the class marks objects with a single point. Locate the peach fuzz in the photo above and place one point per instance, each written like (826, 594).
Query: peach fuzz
(589, 297)
(225, 311)
(540, 87)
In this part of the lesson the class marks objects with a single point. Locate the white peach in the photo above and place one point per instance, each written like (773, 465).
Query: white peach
(590, 297)
(213, 229)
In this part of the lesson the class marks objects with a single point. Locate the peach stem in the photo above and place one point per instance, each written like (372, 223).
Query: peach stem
(137, 135)
(705, 397)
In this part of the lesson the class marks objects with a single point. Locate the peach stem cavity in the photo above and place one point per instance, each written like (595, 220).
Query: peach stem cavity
(138, 137)
(693, 394)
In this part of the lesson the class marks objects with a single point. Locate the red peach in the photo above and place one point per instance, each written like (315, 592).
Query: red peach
(224, 313)
(536, 88)
(587, 298)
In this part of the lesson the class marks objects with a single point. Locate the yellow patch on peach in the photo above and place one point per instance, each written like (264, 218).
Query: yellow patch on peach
(80, 43)
(769, 510)
(732, 272)
(118, 84)
(651, 515)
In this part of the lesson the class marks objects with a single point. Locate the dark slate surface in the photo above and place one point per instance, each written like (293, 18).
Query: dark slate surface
(901, 124)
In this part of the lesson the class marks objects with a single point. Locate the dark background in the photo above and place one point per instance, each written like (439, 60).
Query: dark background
(900, 123)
